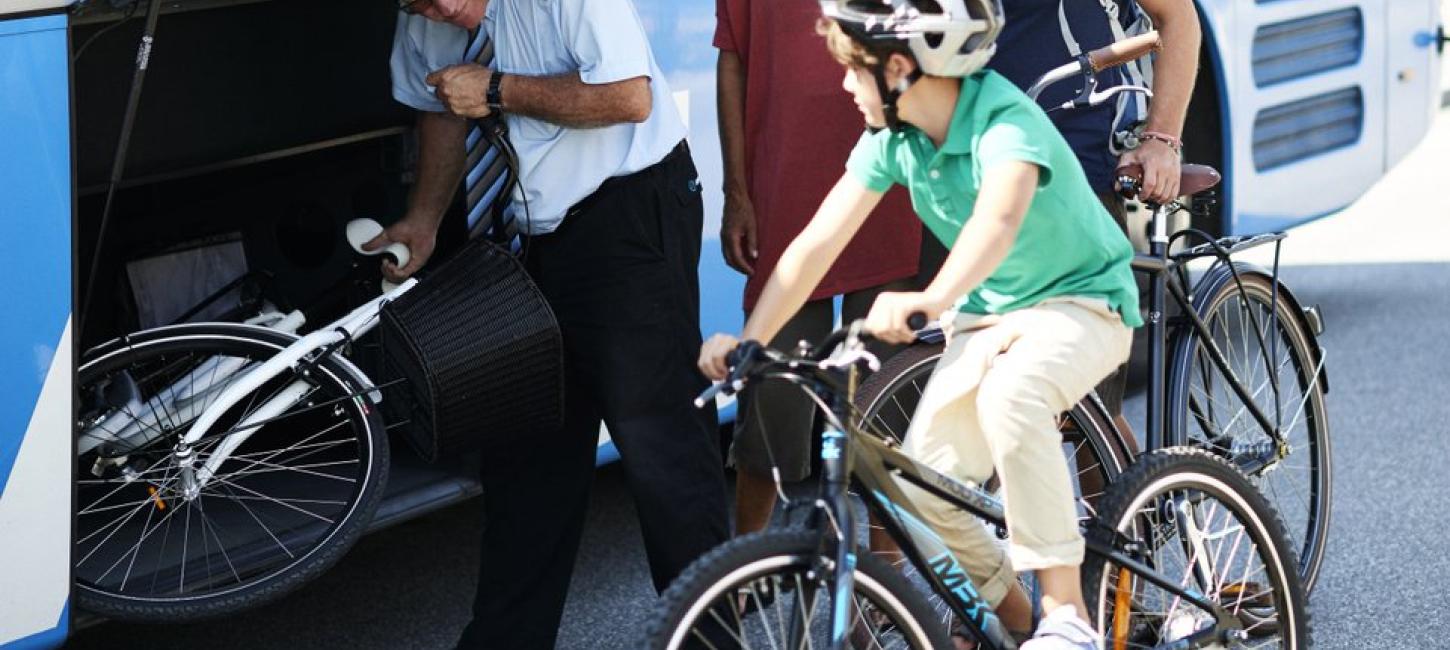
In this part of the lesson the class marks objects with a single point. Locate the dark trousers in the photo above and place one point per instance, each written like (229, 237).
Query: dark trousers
(621, 275)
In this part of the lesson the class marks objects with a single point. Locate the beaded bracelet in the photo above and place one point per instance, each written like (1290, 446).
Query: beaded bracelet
(1172, 142)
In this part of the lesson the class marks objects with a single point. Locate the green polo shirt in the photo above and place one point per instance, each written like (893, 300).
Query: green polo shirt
(1068, 244)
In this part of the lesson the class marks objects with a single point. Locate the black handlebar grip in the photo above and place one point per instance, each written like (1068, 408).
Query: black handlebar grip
(734, 357)
(916, 321)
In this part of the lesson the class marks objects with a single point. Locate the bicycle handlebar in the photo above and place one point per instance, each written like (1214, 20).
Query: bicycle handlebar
(1128, 49)
(743, 360)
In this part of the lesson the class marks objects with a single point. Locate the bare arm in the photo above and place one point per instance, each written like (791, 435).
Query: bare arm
(1176, 70)
(730, 104)
(440, 167)
(737, 227)
(1174, 74)
(799, 270)
(809, 256)
(985, 241)
(562, 99)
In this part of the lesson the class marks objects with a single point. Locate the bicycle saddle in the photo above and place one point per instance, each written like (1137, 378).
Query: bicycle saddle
(1195, 179)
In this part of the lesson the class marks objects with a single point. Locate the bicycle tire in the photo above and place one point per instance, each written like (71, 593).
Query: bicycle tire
(1196, 477)
(287, 520)
(1208, 415)
(751, 559)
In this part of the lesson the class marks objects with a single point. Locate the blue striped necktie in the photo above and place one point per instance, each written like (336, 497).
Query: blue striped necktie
(487, 170)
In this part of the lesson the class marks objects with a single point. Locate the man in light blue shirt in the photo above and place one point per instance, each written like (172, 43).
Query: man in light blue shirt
(609, 206)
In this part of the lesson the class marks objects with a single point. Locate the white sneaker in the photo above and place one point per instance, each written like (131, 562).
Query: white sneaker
(1063, 630)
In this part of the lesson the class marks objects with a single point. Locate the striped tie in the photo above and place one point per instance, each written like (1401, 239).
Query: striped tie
(487, 169)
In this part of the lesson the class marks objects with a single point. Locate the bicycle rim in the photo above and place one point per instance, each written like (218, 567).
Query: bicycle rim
(286, 499)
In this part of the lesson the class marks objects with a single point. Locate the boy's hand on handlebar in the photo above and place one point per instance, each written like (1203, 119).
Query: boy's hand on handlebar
(888, 318)
(712, 356)
(1161, 171)
(419, 235)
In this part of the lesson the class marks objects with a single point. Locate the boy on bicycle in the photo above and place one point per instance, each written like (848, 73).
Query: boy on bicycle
(1037, 295)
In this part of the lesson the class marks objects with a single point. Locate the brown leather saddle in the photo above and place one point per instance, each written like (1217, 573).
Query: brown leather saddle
(1195, 180)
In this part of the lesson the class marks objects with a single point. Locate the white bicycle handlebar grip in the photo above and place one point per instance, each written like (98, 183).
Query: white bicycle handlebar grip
(362, 231)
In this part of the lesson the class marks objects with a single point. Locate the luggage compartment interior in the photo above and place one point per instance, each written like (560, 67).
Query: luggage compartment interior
(264, 126)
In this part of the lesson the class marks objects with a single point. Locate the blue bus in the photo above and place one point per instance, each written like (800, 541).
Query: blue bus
(264, 125)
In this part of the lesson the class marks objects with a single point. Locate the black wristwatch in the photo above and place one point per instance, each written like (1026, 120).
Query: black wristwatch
(494, 97)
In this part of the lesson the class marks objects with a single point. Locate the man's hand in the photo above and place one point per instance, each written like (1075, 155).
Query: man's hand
(712, 356)
(463, 89)
(1161, 170)
(419, 235)
(737, 234)
(888, 316)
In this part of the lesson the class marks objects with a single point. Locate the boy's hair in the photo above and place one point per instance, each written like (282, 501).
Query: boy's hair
(847, 50)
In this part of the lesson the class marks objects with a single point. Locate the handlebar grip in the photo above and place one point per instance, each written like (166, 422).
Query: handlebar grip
(362, 231)
(1128, 49)
(734, 357)
(916, 321)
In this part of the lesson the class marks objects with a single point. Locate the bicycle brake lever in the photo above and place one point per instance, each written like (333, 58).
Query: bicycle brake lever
(1098, 97)
(853, 357)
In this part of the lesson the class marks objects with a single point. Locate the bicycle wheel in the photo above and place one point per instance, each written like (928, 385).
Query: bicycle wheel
(1201, 525)
(775, 579)
(1297, 479)
(887, 400)
(283, 508)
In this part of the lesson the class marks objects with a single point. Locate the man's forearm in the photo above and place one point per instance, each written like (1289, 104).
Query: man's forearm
(1176, 69)
(567, 101)
(440, 164)
(730, 105)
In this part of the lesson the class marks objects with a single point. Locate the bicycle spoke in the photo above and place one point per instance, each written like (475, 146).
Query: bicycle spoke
(300, 469)
(273, 500)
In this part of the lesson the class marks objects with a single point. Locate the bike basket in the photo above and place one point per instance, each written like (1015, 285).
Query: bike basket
(480, 354)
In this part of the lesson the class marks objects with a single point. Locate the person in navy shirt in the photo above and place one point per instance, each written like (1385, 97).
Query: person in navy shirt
(1032, 42)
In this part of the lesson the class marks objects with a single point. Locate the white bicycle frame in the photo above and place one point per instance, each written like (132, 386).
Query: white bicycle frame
(358, 323)
(185, 398)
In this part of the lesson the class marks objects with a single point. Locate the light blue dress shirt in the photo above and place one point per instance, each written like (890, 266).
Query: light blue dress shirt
(602, 40)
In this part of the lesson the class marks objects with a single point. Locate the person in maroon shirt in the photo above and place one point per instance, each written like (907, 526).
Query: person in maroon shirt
(782, 117)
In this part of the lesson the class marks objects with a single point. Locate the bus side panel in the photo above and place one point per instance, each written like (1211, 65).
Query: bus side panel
(1413, 73)
(35, 344)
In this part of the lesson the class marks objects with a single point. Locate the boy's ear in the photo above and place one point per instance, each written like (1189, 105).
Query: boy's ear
(898, 67)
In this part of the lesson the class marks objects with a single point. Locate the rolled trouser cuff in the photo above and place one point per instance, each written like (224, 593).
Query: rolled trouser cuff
(1068, 553)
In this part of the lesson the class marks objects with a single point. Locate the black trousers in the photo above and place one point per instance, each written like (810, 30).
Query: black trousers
(621, 275)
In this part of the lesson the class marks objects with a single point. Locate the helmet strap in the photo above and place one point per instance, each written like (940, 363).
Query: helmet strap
(890, 95)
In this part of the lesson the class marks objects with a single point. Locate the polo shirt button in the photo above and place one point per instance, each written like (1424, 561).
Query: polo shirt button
(935, 173)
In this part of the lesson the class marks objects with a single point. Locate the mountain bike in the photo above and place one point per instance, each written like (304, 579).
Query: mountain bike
(1182, 553)
(1237, 370)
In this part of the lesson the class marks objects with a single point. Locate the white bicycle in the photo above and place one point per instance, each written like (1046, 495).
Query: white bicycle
(221, 465)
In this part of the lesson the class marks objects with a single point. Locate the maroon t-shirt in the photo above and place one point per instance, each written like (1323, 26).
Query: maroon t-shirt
(800, 127)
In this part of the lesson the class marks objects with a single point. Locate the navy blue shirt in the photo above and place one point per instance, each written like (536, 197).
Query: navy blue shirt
(1031, 43)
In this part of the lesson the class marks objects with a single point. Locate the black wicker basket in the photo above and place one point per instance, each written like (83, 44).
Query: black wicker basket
(479, 351)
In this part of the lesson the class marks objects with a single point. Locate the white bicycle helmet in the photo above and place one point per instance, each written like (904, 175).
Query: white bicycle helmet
(948, 38)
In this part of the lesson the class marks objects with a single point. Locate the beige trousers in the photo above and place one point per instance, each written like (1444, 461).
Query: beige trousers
(992, 403)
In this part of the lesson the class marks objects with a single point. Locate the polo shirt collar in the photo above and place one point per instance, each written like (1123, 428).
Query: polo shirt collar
(959, 134)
